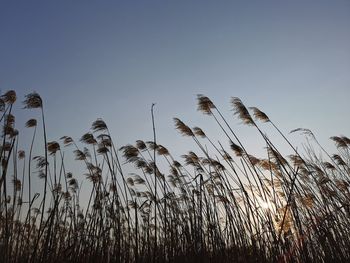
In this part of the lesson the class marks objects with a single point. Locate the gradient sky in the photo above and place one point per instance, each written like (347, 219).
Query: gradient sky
(113, 59)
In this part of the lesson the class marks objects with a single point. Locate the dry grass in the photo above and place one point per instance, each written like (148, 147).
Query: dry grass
(220, 206)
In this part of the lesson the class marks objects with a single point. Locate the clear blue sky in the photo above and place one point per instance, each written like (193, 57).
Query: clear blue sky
(113, 59)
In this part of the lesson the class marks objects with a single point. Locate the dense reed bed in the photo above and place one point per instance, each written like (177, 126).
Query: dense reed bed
(222, 205)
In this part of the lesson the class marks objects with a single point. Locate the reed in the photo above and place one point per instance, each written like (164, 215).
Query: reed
(217, 203)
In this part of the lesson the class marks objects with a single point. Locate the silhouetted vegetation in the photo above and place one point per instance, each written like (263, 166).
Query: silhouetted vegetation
(222, 205)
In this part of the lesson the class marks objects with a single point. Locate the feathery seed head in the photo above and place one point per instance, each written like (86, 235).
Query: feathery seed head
(102, 149)
(41, 161)
(17, 184)
(297, 160)
(130, 181)
(138, 180)
(31, 123)
(198, 132)
(304, 131)
(205, 105)
(140, 145)
(182, 128)
(79, 155)
(259, 115)
(237, 149)
(346, 140)
(33, 101)
(253, 160)
(276, 156)
(53, 147)
(10, 119)
(161, 150)
(177, 164)
(7, 146)
(73, 183)
(151, 145)
(337, 158)
(129, 151)
(67, 140)
(106, 141)
(328, 165)
(242, 112)
(21, 154)
(140, 163)
(226, 156)
(8, 130)
(99, 125)
(88, 138)
(339, 142)
(9, 97)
